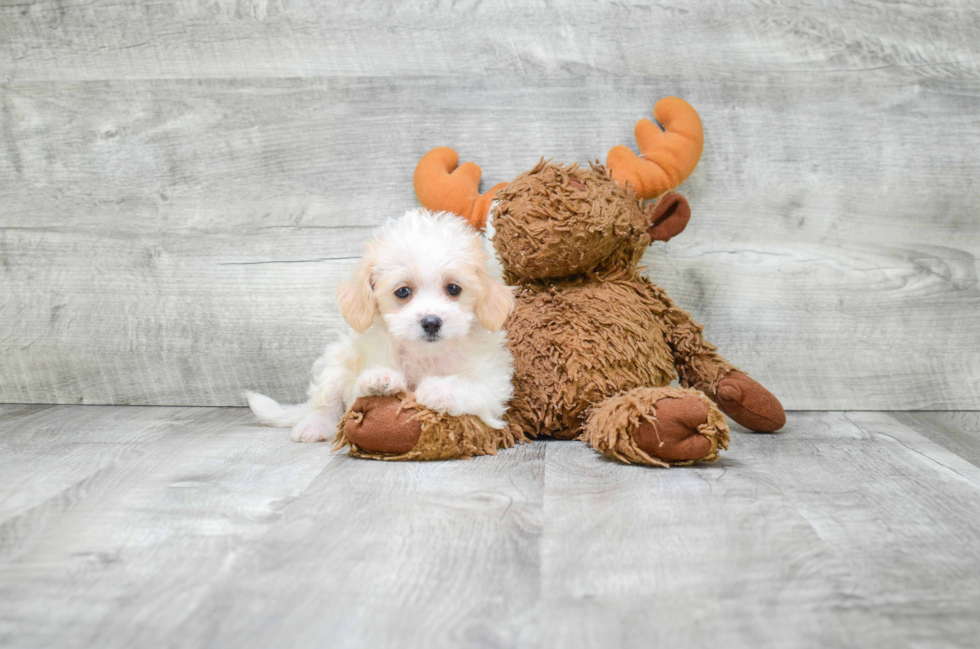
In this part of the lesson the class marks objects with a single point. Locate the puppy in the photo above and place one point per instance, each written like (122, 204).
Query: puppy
(427, 308)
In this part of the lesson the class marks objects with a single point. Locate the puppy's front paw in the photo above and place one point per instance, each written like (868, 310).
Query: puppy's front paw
(438, 393)
(314, 427)
(381, 382)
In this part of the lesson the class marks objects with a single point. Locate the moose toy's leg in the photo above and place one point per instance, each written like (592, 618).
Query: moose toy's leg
(657, 426)
(398, 428)
(700, 366)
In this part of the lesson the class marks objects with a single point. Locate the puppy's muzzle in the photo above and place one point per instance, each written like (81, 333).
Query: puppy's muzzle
(431, 326)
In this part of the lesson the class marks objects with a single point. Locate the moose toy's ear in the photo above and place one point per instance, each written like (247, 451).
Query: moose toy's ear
(668, 216)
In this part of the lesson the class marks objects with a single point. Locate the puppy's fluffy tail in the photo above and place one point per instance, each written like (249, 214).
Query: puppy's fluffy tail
(271, 413)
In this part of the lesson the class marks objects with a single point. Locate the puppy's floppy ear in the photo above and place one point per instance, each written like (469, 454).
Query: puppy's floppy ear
(495, 302)
(356, 298)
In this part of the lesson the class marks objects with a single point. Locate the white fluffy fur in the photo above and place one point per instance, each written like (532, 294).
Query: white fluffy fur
(467, 370)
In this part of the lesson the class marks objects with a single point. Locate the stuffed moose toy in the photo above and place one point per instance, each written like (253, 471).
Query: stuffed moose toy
(595, 343)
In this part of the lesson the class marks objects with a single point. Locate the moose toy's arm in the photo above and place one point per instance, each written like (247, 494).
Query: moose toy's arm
(700, 366)
(667, 157)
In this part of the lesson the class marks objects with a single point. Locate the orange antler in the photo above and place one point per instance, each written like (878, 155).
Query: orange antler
(666, 157)
(441, 186)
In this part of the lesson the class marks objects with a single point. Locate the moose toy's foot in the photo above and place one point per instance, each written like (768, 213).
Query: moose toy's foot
(382, 425)
(657, 426)
(400, 428)
(743, 399)
(673, 435)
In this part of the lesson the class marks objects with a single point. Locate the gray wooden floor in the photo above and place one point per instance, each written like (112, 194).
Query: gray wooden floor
(161, 526)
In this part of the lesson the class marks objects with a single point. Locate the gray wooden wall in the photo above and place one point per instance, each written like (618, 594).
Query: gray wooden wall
(183, 184)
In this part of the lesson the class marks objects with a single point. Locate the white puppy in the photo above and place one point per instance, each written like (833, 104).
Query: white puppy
(427, 311)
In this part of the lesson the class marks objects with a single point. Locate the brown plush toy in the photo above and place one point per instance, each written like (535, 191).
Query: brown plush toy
(595, 343)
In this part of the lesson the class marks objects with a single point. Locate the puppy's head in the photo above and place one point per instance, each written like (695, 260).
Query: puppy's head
(427, 275)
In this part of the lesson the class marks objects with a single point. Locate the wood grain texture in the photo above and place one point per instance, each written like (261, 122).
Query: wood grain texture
(443, 555)
(957, 431)
(88, 39)
(182, 187)
(833, 534)
(195, 527)
(147, 529)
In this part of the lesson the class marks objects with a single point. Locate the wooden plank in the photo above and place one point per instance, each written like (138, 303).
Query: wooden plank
(178, 242)
(87, 39)
(147, 530)
(847, 530)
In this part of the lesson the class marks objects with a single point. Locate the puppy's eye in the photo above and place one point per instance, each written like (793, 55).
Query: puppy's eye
(403, 292)
(454, 289)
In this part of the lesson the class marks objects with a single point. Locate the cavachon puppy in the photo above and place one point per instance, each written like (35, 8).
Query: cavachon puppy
(426, 308)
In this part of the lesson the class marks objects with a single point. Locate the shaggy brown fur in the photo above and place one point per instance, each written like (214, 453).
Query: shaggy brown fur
(580, 341)
(697, 361)
(588, 328)
(442, 436)
(562, 220)
(587, 325)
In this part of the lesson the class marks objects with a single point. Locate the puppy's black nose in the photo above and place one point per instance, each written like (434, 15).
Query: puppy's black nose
(431, 325)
